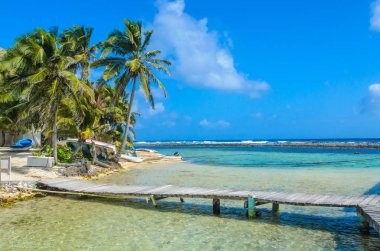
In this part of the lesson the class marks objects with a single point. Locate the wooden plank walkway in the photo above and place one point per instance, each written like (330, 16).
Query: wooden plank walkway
(368, 205)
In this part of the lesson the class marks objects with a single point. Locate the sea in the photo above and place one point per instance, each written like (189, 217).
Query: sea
(72, 223)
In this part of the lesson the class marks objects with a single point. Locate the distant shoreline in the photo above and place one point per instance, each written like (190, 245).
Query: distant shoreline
(295, 144)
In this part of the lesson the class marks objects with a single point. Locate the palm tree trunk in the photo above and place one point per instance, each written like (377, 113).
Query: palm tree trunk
(125, 138)
(94, 153)
(54, 138)
(36, 141)
(3, 138)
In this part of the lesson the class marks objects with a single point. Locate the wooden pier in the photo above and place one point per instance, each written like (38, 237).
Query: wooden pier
(368, 206)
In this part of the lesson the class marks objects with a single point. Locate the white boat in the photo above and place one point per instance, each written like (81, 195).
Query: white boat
(131, 158)
(96, 142)
(173, 158)
(146, 150)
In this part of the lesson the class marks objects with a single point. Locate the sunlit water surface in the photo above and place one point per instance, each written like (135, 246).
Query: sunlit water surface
(65, 223)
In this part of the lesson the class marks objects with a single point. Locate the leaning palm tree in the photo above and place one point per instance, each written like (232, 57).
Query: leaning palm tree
(45, 79)
(131, 61)
(76, 42)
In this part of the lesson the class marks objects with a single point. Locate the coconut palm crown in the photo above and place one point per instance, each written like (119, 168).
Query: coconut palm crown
(44, 78)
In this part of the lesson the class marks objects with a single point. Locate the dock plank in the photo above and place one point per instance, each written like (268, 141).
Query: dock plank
(369, 205)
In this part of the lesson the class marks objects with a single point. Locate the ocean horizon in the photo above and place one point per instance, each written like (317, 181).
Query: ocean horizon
(265, 140)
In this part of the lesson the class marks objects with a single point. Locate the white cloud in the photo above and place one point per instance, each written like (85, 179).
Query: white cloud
(199, 58)
(371, 103)
(171, 115)
(217, 124)
(158, 107)
(374, 90)
(375, 17)
(141, 105)
(204, 122)
(169, 123)
(188, 118)
(258, 115)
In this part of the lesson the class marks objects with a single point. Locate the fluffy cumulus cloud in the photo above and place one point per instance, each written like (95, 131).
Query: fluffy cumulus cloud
(371, 103)
(214, 124)
(199, 59)
(375, 17)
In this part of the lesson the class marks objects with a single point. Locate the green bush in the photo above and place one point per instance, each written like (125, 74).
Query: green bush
(48, 151)
(37, 154)
(65, 155)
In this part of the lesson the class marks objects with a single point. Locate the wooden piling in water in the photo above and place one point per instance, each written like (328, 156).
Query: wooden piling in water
(275, 207)
(364, 225)
(153, 199)
(251, 206)
(216, 206)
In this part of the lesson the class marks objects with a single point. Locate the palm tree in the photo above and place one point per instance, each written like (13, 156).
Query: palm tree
(45, 79)
(131, 61)
(76, 42)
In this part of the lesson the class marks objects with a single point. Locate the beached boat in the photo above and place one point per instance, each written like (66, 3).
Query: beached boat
(22, 145)
(173, 158)
(131, 158)
(146, 150)
(96, 142)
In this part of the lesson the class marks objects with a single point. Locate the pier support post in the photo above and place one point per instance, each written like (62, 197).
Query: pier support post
(251, 206)
(181, 199)
(364, 225)
(275, 207)
(153, 199)
(216, 206)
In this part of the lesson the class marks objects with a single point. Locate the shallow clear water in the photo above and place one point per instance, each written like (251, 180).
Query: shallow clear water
(92, 224)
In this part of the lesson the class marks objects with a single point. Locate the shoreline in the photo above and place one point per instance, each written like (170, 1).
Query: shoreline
(332, 145)
(15, 187)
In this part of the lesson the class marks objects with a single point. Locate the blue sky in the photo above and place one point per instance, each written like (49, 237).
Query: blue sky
(248, 70)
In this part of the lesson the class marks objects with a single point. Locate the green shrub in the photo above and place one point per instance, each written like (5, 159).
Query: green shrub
(37, 154)
(48, 151)
(65, 155)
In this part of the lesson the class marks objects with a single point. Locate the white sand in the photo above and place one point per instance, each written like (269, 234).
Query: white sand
(20, 172)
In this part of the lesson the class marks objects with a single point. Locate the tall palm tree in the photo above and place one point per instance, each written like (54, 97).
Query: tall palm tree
(131, 61)
(76, 42)
(45, 78)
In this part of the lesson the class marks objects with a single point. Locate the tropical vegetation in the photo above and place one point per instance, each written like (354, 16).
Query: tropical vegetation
(126, 59)
(45, 85)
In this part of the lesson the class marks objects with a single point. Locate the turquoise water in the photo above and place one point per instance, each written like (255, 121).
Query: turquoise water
(278, 156)
(67, 223)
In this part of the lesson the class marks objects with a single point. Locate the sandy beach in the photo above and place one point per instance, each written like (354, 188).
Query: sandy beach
(22, 173)
(23, 176)
(20, 170)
